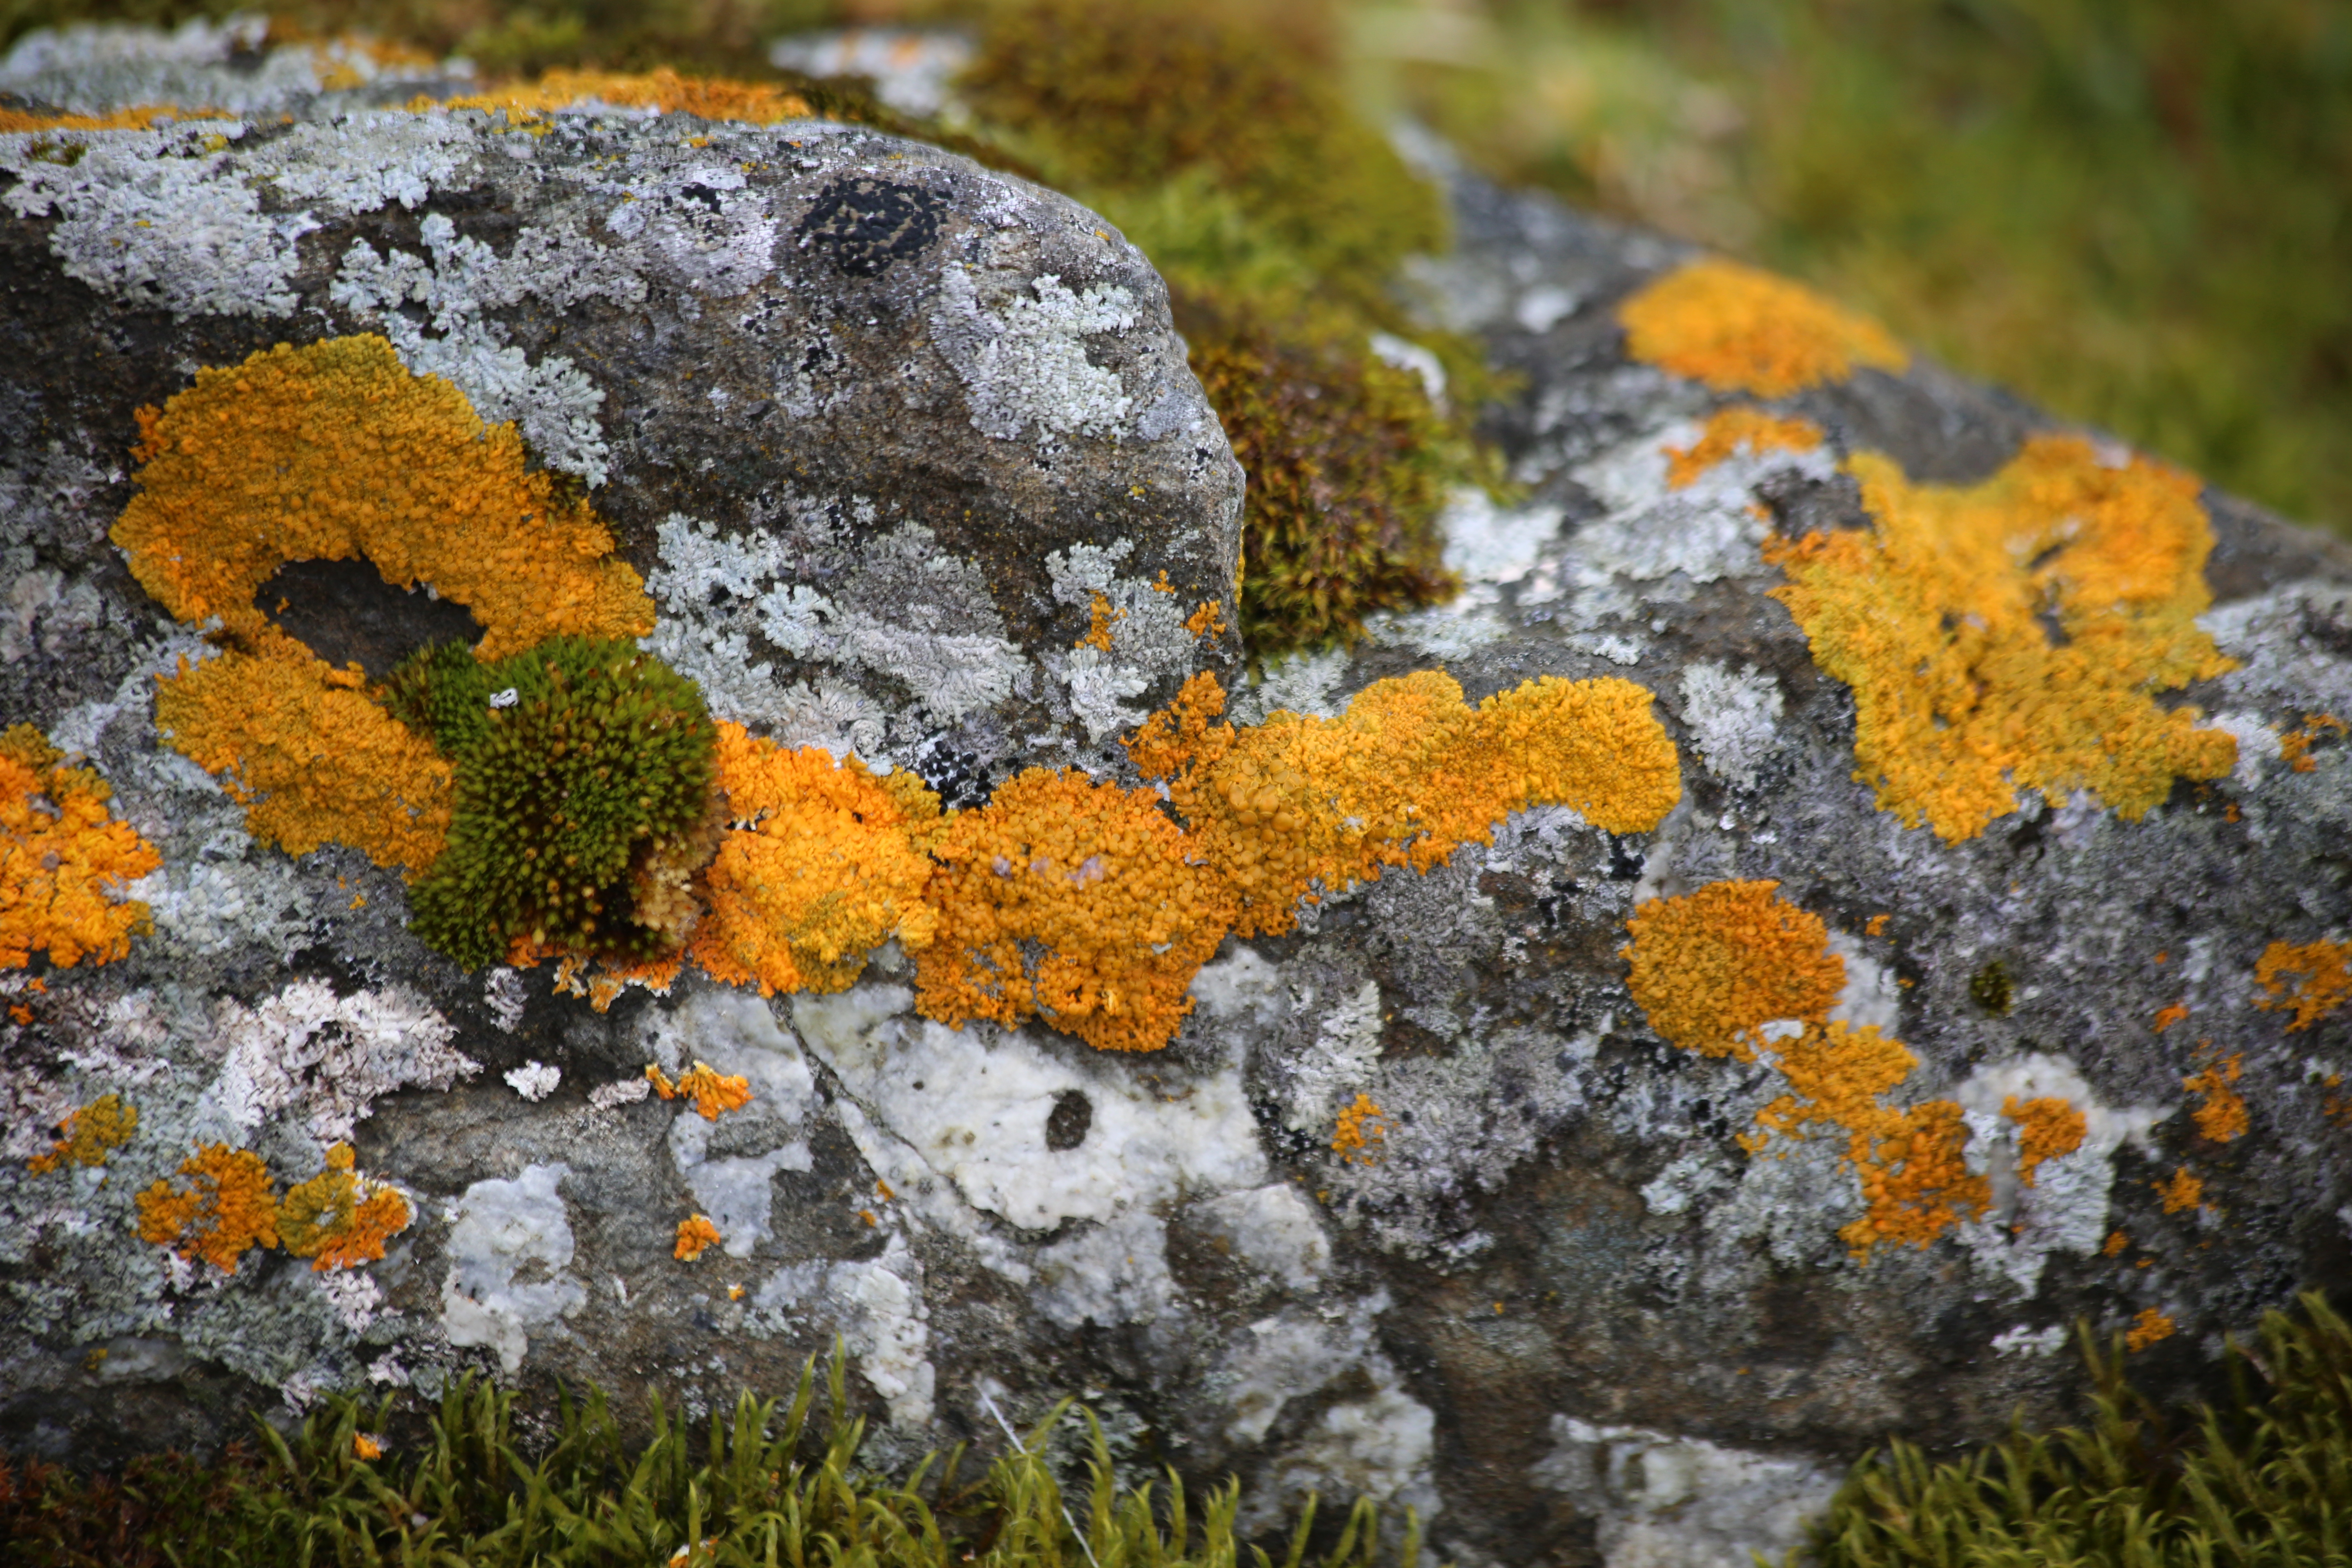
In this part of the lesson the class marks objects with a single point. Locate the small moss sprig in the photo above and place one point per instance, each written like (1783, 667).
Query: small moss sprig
(583, 802)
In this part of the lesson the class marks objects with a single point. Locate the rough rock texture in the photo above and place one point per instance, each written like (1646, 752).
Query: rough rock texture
(879, 427)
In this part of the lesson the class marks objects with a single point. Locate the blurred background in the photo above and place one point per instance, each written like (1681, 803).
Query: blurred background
(2136, 211)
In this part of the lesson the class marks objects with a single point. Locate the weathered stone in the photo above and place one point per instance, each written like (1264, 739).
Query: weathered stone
(1560, 1310)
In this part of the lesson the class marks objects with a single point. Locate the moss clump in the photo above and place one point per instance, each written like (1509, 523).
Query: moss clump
(1989, 989)
(1348, 466)
(583, 804)
(1117, 101)
(2266, 1477)
(1218, 137)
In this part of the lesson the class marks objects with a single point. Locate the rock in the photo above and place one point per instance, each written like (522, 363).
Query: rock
(1480, 1191)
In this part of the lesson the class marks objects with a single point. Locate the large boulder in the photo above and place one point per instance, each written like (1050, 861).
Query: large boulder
(1569, 1186)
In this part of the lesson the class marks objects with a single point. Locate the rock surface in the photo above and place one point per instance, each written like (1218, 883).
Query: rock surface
(882, 431)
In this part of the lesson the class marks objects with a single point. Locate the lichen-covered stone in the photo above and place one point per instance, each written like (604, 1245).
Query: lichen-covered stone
(1438, 1194)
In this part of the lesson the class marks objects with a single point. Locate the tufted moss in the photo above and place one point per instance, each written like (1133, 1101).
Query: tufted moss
(2263, 1476)
(583, 801)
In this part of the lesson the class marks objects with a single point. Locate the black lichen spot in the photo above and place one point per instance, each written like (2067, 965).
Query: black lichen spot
(1067, 1124)
(958, 777)
(864, 225)
(1988, 988)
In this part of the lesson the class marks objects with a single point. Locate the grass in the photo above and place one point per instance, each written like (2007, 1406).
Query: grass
(761, 1488)
(2262, 1478)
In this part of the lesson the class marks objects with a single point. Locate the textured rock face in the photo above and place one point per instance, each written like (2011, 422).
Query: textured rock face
(1436, 1197)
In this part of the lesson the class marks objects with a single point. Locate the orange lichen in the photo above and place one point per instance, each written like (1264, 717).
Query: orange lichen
(2148, 1327)
(696, 1233)
(1072, 900)
(1876, 925)
(711, 1090)
(1727, 430)
(1738, 328)
(339, 1218)
(334, 452)
(2048, 1128)
(2115, 1243)
(63, 859)
(2222, 1116)
(312, 760)
(1208, 621)
(2313, 978)
(2168, 1016)
(1406, 776)
(1909, 1165)
(1362, 1126)
(2180, 1191)
(2013, 635)
(1711, 967)
(706, 98)
(366, 1445)
(90, 1133)
(2295, 745)
(227, 1208)
(1105, 615)
(823, 864)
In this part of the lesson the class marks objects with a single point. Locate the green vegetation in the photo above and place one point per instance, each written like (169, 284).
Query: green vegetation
(583, 799)
(756, 1491)
(2133, 211)
(2265, 1478)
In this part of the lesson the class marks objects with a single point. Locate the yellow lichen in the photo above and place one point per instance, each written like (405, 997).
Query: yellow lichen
(1208, 620)
(1405, 777)
(2168, 1016)
(696, 1233)
(1740, 329)
(2014, 635)
(2048, 1128)
(2222, 1115)
(339, 1218)
(1728, 431)
(366, 1445)
(711, 1090)
(63, 859)
(2180, 1191)
(227, 1208)
(2148, 1327)
(706, 98)
(1074, 901)
(2313, 979)
(821, 865)
(1711, 967)
(2295, 745)
(90, 1133)
(1362, 1126)
(312, 760)
(335, 452)
(2114, 1243)
(138, 116)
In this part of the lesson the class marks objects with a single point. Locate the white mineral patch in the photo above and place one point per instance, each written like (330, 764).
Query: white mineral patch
(702, 226)
(735, 1032)
(1490, 543)
(1734, 717)
(877, 1308)
(974, 1104)
(1345, 1051)
(1390, 349)
(2021, 1341)
(1681, 1503)
(500, 1230)
(362, 162)
(1870, 997)
(327, 1057)
(534, 1081)
(737, 1192)
(1274, 1229)
(1108, 1274)
(1025, 364)
(1707, 529)
(92, 69)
